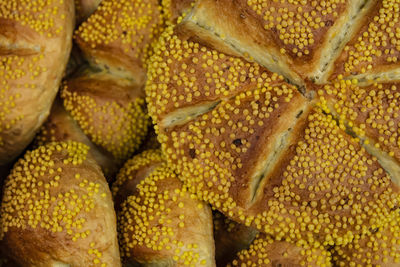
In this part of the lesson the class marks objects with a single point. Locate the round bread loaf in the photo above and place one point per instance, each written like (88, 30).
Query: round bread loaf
(159, 222)
(60, 126)
(57, 209)
(110, 110)
(295, 160)
(265, 251)
(35, 42)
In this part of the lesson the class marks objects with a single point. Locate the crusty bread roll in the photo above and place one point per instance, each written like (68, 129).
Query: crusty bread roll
(159, 222)
(60, 126)
(35, 40)
(84, 8)
(57, 209)
(267, 252)
(294, 38)
(373, 52)
(380, 247)
(253, 147)
(110, 110)
(122, 49)
(230, 238)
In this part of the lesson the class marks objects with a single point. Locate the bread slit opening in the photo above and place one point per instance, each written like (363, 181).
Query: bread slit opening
(184, 115)
(339, 36)
(268, 164)
(388, 163)
(271, 61)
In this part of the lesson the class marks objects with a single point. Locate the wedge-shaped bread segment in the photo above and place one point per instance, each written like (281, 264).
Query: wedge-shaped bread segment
(110, 110)
(160, 222)
(223, 153)
(267, 252)
(325, 187)
(294, 38)
(188, 75)
(373, 114)
(380, 247)
(57, 209)
(374, 50)
(119, 34)
(35, 41)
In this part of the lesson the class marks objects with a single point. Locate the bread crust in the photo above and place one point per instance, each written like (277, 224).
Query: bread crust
(59, 210)
(159, 221)
(34, 58)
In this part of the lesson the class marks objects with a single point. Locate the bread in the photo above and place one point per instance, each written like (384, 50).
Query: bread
(159, 222)
(110, 110)
(57, 209)
(374, 49)
(35, 42)
(84, 8)
(265, 251)
(230, 238)
(118, 37)
(60, 126)
(294, 38)
(380, 247)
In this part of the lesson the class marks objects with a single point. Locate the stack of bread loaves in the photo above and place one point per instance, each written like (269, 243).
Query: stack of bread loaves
(276, 136)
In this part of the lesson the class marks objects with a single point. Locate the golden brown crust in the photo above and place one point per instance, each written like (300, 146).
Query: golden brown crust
(375, 48)
(60, 126)
(288, 37)
(160, 222)
(380, 247)
(321, 188)
(110, 111)
(57, 208)
(123, 49)
(230, 238)
(267, 252)
(34, 52)
(371, 111)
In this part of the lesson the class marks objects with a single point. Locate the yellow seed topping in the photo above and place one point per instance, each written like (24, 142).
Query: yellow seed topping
(265, 251)
(377, 43)
(150, 217)
(119, 126)
(298, 25)
(52, 191)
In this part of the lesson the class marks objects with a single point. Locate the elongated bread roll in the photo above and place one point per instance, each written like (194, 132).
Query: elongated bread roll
(60, 126)
(111, 111)
(159, 222)
(57, 209)
(35, 42)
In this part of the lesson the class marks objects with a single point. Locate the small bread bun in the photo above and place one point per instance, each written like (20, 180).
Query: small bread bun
(60, 126)
(57, 209)
(111, 111)
(380, 247)
(159, 222)
(230, 238)
(117, 37)
(35, 38)
(266, 252)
